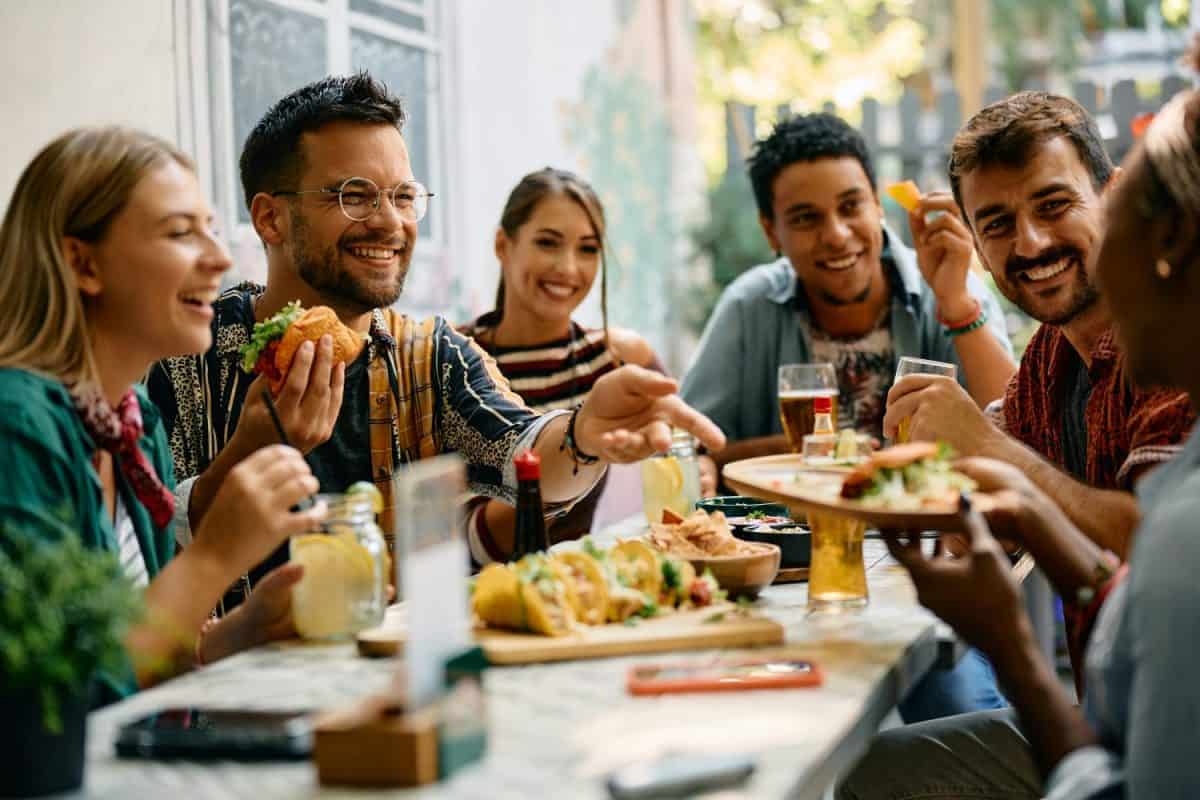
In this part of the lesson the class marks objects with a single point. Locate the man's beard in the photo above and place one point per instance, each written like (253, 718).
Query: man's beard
(325, 272)
(1084, 293)
(858, 299)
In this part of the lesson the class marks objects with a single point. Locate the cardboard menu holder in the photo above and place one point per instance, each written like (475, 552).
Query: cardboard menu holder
(375, 743)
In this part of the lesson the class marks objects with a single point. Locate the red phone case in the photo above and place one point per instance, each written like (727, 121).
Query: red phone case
(721, 677)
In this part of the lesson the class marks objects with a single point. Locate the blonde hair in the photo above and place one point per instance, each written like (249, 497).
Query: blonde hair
(74, 187)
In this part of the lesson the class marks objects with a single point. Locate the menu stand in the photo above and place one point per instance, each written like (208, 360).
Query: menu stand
(376, 743)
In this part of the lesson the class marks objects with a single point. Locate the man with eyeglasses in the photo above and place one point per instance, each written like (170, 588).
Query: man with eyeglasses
(331, 194)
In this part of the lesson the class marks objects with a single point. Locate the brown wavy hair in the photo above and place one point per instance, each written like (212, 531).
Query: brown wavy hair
(524, 198)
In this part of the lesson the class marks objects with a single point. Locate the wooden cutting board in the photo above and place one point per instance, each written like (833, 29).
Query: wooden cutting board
(687, 630)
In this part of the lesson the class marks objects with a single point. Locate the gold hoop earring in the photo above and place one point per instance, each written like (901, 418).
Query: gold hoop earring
(1162, 268)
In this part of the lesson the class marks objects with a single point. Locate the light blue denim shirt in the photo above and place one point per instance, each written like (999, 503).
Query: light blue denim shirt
(758, 325)
(1143, 697)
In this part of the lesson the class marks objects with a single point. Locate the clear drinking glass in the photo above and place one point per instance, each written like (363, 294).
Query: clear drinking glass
(919, 366)
(837, 577)
(799, 386)
(343, 590)
(844, 447)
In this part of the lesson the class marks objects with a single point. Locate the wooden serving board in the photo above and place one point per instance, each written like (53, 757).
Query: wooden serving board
(787, 479)
(791, 575)
(685, 630)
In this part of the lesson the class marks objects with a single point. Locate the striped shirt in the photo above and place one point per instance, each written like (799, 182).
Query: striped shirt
(132, 562)
(551, 376)
(548, 377)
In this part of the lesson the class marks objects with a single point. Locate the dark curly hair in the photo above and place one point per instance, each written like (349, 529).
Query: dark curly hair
(272, 158)
(803, 137)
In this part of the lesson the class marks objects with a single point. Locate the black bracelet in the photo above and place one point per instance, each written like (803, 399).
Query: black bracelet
(572, 447)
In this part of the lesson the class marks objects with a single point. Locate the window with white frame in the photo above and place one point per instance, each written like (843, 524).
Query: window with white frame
(257, 51)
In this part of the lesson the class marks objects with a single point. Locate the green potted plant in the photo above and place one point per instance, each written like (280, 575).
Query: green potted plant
(64, 610)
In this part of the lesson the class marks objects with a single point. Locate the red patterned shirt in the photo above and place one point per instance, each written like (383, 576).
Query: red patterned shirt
(1128, 428)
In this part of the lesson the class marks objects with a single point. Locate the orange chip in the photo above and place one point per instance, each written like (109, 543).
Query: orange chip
(905, 193)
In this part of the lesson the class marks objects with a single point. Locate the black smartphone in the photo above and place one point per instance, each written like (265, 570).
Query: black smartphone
(199, 733)
(679, 776)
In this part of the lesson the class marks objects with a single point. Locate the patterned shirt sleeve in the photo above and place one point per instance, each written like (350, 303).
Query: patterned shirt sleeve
(1158, 427)
(480, 417)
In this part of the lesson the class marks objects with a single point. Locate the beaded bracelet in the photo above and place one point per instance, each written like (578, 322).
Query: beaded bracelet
(572, 447)
(975, 325)
(972, 323)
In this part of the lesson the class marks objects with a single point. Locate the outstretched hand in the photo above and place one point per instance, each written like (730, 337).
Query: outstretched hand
(629, 414)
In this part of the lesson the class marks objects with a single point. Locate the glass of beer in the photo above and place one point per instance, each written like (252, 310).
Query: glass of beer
(919, 366)
(799, 386)
(837, 577)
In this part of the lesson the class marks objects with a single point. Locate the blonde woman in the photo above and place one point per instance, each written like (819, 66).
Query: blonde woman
(108, 263)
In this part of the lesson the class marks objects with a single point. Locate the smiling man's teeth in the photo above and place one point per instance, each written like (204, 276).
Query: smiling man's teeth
(373, 252)
(1049, 271)
(841, 263)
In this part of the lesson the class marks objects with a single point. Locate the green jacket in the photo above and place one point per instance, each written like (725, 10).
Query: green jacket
(49, 484)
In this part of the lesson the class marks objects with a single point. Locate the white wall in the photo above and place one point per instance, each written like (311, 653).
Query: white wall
(517, 64)
(73, 62)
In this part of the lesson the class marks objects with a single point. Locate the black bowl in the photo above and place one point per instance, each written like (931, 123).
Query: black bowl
(793, 539)
(736, 505)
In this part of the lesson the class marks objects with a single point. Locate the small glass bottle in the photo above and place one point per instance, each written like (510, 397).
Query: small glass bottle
(529, 533)
(672, 479)
(823, 415)
(343, 590)
(820, 446)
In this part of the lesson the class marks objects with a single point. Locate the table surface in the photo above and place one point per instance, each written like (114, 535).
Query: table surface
(557, 729)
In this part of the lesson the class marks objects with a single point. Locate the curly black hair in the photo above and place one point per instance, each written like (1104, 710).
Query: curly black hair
(272, 158)
(803, 137)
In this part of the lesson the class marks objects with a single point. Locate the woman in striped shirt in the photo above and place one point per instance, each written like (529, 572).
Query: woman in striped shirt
(550, 244)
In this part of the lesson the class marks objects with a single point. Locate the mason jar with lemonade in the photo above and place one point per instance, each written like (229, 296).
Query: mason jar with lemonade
(671, 480)
(343, 590)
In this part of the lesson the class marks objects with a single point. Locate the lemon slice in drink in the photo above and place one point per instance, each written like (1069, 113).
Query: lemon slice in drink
(335, 556)
(665, 475)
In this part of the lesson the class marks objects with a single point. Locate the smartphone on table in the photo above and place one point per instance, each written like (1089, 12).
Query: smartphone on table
(723, 676)
(202, 734)
(679, 775)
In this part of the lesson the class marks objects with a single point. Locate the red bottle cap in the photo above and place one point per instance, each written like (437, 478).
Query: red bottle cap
(529, 466)
(823, 405)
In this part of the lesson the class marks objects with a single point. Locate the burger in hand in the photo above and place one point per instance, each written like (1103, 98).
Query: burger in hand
(274, 341)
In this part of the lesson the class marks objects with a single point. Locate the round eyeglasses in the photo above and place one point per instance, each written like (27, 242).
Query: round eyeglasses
(360, 198)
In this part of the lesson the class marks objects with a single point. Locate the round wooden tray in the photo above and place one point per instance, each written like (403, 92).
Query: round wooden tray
(787, 479)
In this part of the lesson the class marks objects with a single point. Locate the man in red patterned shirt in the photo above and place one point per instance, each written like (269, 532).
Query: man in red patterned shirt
(1029, 174)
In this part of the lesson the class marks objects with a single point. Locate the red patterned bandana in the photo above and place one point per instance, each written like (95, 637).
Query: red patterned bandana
(118, 433)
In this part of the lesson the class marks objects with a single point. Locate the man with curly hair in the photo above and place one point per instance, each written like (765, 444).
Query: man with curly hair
(845, 290)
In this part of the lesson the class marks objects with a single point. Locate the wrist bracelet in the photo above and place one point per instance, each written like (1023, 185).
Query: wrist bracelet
(572, 447)
(973, 325)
